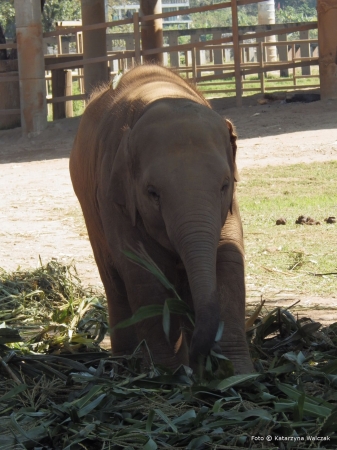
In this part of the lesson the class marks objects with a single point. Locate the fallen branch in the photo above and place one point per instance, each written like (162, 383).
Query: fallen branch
(321, 274)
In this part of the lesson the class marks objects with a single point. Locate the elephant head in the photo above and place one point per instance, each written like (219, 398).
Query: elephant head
(175, 172)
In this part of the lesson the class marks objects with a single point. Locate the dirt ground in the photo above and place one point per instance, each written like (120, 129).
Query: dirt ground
(40, 214)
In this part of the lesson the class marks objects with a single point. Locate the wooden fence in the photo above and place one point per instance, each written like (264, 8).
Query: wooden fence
(227, 49)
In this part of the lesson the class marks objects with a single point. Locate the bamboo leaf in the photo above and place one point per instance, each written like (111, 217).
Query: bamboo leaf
(219, 333)
(92, 405)
(144, 312)
(330, 424)
(13, 392)
(150, 445)
(231, 381)
(145, 261)
(186, 417)
(167, 420)
(149, 421)
(166, 321)
(198, 443)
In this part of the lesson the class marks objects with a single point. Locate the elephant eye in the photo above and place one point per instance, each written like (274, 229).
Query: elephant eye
(153, 193)
(225, 184)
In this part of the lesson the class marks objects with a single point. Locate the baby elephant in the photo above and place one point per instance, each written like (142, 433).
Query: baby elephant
(152, 163)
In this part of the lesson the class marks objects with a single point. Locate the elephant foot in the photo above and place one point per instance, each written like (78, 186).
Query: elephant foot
(239, 356)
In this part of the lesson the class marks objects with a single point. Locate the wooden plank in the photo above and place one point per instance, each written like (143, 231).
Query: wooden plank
(291, 86)
(254, 70)
(285, 30)
(96, 26)
(248, 2)
(5, 112)
(224, 91)
(13, 78)
(197, 9)
(136, 31)
(237, 56)
(82, 62)
(299, 41)
(194, 64)
(280, 66)
(6, 46)
(66, 98)
(211, 42)
(183, 47)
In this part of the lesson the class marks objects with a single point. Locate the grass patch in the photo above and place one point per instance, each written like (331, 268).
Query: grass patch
(59, 397)
(290, 257)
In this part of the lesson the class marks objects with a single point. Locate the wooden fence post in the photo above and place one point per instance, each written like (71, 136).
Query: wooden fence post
(194, 64)
(305, 51)
(61, 86)
(31, 66)
(261, 58)
(136, 32)
(236, 48)
(283, 54)
(218, 58)
(94, 44)
(152, 30)
(68, 91)
(174, 56)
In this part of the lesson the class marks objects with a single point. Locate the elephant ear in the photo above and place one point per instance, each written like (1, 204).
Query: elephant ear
(120, 185)
(233, 137)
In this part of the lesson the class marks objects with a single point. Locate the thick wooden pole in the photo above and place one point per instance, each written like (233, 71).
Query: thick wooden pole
(31, 66)
(94, 44)
(327, 42)
(236, 49)
(152, 30)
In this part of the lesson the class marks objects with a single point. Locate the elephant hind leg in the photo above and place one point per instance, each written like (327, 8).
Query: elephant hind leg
(123, 341)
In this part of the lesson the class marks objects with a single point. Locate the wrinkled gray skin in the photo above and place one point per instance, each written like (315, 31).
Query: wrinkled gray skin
(153, 164)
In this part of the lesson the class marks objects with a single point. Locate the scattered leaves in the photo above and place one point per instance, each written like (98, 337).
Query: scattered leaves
(89, 399)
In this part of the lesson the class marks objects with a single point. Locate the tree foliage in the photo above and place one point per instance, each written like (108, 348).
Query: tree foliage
(54, 10)
(58, 10)
(303, 12)
(7, 17)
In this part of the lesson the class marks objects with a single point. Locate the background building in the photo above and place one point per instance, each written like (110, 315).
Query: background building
(126, 10)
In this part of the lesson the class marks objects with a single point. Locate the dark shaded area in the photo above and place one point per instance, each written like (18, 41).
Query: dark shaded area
(14, 148)
(277, 116)
(3, 53)
(304, 98)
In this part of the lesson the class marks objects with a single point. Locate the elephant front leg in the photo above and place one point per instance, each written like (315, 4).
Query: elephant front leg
(231, 288)
(232, 293)
(232, 296)
(124, 340)
(144, 289)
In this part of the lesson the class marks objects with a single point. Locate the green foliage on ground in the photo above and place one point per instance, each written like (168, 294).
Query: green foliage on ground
(293, 258)
(73, 394)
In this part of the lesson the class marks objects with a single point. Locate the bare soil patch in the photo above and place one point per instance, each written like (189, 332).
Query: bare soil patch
(40, 215)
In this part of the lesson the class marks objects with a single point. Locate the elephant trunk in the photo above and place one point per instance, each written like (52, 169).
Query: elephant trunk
(196, 243)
